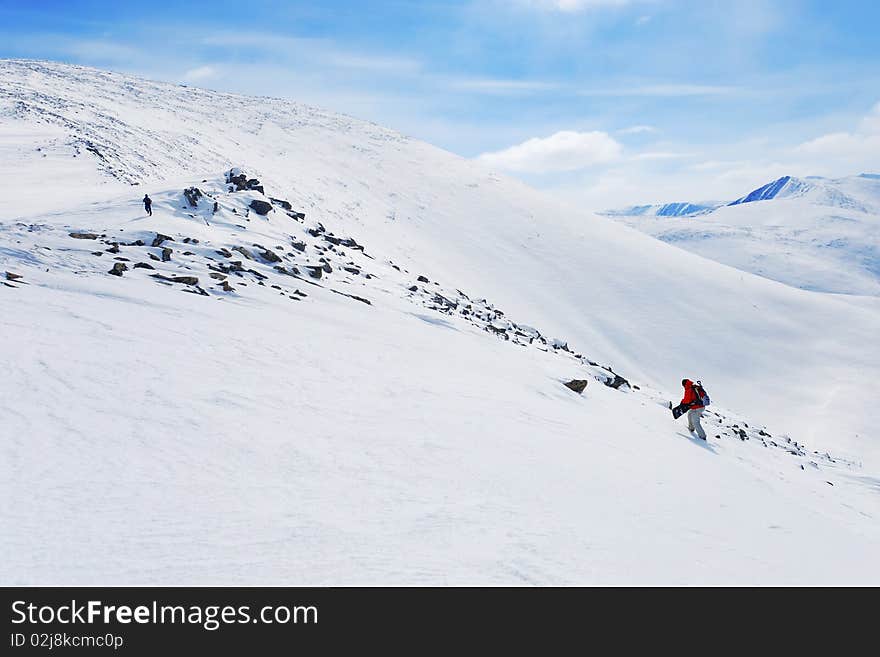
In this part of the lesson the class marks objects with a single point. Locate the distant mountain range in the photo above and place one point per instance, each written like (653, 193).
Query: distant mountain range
(823, 191)
(813, 233)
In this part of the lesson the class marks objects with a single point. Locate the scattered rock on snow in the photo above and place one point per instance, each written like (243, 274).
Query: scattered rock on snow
(84, 236)
(184, 280)
(616, 381)
(118, 268)
(260, 207)
(284, 204)
(269, 256)
(192, 194)
(578, 385)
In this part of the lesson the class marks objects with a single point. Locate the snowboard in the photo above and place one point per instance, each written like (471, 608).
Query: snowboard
(679, 410)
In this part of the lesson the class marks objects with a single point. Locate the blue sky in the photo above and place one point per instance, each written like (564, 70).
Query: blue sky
(600, 101)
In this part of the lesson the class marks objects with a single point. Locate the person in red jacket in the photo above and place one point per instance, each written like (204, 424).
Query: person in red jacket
(695, 408)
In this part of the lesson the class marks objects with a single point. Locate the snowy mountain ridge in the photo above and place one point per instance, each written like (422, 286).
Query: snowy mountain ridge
(813, 233)
(344, 362)
(821, 191)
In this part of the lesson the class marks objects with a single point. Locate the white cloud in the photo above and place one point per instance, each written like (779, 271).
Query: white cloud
(573, 6)
(860, 148)
(661, 155)
(500, 86)
(637, 130)
(661, 90)
(563, 151)
(200, 73)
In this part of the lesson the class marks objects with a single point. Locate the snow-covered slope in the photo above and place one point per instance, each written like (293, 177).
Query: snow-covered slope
(813, 233)
(372, 392)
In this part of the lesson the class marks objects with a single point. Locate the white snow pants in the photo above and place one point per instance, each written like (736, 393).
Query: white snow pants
(694, 416)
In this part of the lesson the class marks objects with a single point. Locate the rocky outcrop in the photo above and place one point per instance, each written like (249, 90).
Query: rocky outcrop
(615, 381)
(157, 241)
(240, 182)
(260, 207)
(183, 280)
(578, 385)
(84, 236)
(284, 204)
(192, 195)
(269, 256)
(118, 268)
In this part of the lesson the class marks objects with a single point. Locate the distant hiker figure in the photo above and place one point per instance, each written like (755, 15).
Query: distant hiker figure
(148, 205)
(694, 401)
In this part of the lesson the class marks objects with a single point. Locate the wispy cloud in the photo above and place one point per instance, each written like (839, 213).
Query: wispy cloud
(562, 151)
(572, 6)
(637, 130)
(861, 147)
(500, 86)
(200, 73)
(661, 90)
(326, 52)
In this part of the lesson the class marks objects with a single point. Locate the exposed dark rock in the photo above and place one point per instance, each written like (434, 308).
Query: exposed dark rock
(166, 254)
(188, 253)
(616, 381)
(243, 251)
(12, 277)
(184, 280)
(143, 265)
(284, 204)
(423, 279)
(313, 271)
(192, 194)
(226, 287)
(352, 270)
(578, 385)
(317, 230)
(113, 249)
(299, 246)
(260, 207)
(154, 257)
(225, 253)
(352, 296)
(217, 275)
(299, 216)
(84, 236)
(270, 256)
(118, 268)
(98, 253)
(293, 270)
(157, 241)
(327, 268)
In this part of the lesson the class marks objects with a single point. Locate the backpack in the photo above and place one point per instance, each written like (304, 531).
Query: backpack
(701, 393)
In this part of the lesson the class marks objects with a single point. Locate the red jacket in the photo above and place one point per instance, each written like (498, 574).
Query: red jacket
(690, 398)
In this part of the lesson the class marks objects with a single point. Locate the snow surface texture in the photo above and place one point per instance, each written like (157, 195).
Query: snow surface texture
(365, 384)
(814, 233)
